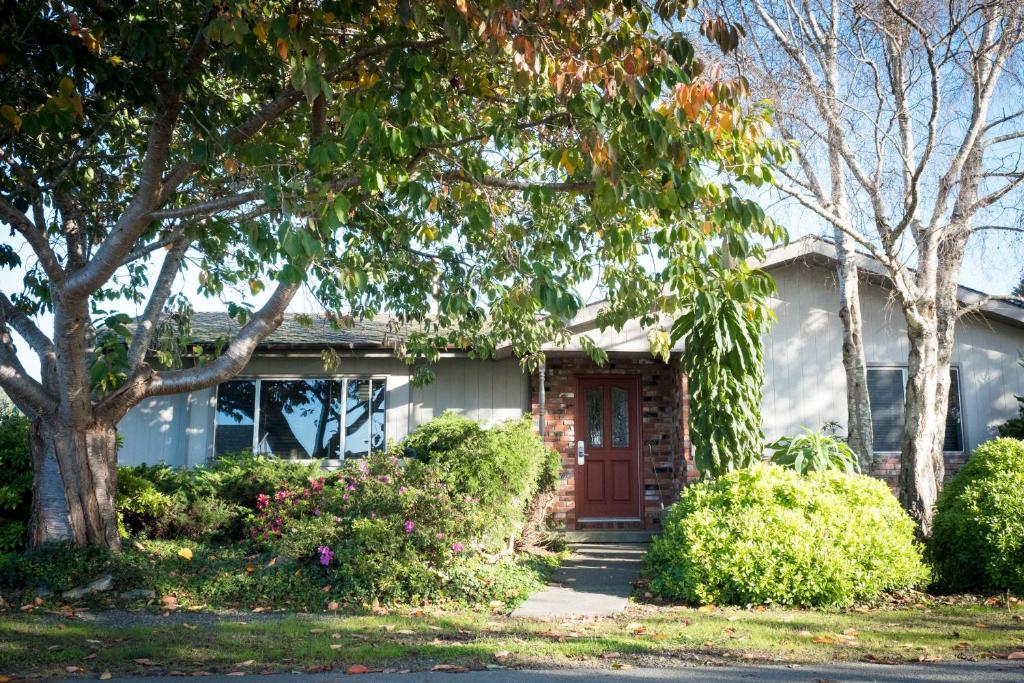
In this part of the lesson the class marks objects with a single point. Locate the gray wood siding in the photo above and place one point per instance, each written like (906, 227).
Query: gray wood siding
(178, 429)
(804, 380)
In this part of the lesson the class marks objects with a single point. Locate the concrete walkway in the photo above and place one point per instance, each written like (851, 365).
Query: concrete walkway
(595, 581)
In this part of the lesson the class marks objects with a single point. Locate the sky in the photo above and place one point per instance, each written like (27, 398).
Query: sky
(993, 264)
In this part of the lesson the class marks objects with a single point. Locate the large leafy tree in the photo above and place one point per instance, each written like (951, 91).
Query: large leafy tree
(463, 166)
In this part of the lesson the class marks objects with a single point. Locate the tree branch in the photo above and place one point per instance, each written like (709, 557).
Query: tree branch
(36, 238)
(29, 395)
(32, 335)
(145, 326)
(506, 184)
(981, 303)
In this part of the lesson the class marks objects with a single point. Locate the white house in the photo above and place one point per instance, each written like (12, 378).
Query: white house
(628, 419)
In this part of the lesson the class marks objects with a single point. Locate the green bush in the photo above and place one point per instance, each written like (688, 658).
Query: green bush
(502, 468)
(978, 537)
(207, 501)
(813, 451)
(15, 478)
(768, 535)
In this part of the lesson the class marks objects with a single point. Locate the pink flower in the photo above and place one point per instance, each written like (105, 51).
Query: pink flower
(440, 534)
(326, 555)
(457, 547)
(402, 489)
(282, 495)
(409, 526)
(351, 487)
(262, 501)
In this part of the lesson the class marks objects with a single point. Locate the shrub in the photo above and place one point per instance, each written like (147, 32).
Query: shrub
(208, 501)
(503, 468)
(16, 480)
(770, 535)
(141, 508)
(380, 531)
(813, 452)
(978, 537)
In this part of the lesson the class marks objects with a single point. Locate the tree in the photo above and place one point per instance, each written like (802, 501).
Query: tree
(463, 166)
(910, 135)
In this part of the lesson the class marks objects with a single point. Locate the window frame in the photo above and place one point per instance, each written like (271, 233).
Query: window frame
(343, 378)
(954, 367)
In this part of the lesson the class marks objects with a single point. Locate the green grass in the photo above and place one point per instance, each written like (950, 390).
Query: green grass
(46, 643)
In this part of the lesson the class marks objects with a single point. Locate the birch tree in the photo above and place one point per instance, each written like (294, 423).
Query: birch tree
(909, 128)
(464, 166)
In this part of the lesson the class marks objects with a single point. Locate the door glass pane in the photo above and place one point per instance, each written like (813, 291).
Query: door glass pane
(377, 436)
(236, 406)
(620, 417)
(357, 418)
(595, 418)
(299, 418)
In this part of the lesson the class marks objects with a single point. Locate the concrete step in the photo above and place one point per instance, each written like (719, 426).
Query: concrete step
(601, 536)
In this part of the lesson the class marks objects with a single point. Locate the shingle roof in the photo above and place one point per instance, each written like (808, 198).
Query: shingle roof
(309, 331)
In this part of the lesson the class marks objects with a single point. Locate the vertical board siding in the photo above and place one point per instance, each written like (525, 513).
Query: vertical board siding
(178, 430)
(805, 384)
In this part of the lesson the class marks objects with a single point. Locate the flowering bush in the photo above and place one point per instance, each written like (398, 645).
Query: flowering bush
(379, 529)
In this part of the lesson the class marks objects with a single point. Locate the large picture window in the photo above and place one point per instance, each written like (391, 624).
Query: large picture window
(886, 387)
(301, 419)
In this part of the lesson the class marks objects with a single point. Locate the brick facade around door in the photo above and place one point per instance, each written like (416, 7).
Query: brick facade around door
(665, 462)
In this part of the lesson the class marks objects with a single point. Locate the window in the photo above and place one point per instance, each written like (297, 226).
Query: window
(301, 418)
(886, 388)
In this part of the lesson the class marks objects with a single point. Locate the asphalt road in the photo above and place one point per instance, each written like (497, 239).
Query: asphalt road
(945, 672)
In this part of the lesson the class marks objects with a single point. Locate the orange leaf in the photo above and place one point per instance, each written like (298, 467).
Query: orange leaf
(357, 669)
(282, 49)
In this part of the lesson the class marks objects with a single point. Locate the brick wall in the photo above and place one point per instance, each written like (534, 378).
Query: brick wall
(665, 445)
(887, 467)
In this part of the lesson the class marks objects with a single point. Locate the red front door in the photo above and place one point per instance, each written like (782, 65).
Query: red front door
(608, 425)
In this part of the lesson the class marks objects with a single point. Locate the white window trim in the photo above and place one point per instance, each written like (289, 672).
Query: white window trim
(960, 395)
(343, 378)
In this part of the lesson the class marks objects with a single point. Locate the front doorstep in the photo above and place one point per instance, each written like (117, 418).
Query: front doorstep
(608, 536)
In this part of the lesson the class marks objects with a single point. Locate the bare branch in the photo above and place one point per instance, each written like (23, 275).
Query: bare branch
(984, 301)
(145, 326)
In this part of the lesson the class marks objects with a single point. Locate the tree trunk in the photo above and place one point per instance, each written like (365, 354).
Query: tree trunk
(922, 467)
(859, 429)
(74, 484)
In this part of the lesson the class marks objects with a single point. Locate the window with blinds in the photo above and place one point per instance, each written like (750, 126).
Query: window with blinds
(886, 386)
(302, 419)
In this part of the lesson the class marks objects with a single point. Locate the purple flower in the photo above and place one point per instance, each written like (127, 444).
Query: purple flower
(351, 486)
(316, 512)
(326, 555)
(409, 526)
(457, 547)
(385, 479)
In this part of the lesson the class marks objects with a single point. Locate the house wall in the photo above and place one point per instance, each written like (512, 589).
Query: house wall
(178, 429)
(805, 382)
(665, 447)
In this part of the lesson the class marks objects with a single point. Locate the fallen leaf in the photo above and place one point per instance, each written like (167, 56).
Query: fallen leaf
(236, 673)
(250, 568)
(930, 658)
(92, 656)
(106, 675)
(827, 640)
(332, 606)
(980, 625)
(1015, 655)
(145, 661)
(620, 665)
(74, 669)
(248, 662)
(336, 646)
(449, 668)
(611, 655)
(357, 669)
(316, 630)
(169, 600)
(502, 655)
(706, 609)
(185, 553)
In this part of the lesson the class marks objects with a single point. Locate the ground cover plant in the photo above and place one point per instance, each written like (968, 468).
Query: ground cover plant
(978, 541)
(917, 629)
(770, 535)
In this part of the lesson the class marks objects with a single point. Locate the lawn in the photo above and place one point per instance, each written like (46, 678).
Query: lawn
(47, 643)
